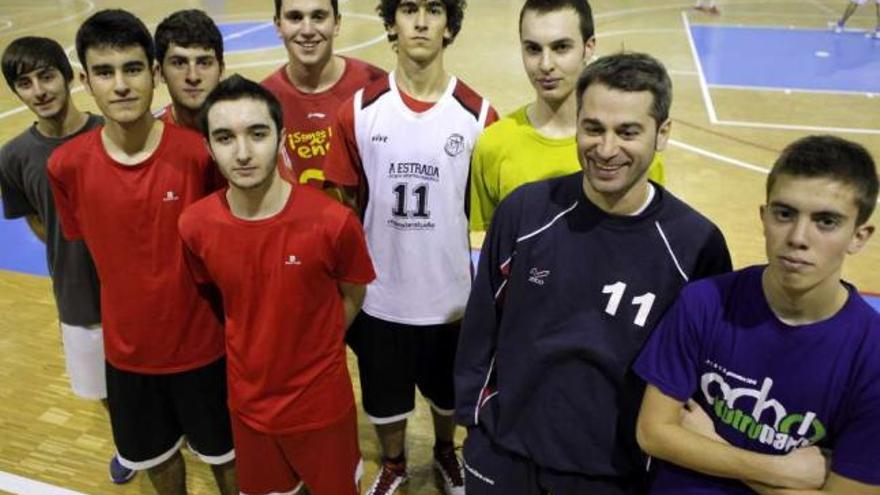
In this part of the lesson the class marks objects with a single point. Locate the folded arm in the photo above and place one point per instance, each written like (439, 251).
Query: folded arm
(662, 433)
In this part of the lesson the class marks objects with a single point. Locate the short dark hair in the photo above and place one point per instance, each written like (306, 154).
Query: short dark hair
(581, 7)
(454, 16)
(114, 28)
(188, 29)
(333, 3)
(630, 72)
(30, 53)
(833, 158)
(235, 88)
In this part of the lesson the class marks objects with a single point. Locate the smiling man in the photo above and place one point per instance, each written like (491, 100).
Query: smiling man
(770, 363)
(121, 188)
(573, 275)
(312, 84)
(293, 411)
(189, 52)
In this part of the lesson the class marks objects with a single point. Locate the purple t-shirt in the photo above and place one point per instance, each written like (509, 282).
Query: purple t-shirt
(769, 387)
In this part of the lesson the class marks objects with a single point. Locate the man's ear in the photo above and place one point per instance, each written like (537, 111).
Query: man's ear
(663, 135)
(157, 73)
(84, 80)
(860, 238)
(589, 50)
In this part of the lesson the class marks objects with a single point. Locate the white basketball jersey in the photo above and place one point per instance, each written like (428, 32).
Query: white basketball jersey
(416, 166)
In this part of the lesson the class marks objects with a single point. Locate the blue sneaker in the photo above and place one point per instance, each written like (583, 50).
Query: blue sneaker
(120, 474)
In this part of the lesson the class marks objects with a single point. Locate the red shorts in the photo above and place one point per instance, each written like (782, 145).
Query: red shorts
(327, 460)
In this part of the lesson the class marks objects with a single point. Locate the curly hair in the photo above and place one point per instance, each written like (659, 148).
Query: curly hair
(454, 16)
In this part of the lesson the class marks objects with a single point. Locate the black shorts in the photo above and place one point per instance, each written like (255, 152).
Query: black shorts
(151, 414)
(394, 358)
(493, 470)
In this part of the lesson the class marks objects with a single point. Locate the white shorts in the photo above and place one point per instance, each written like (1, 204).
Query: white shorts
(84, 354)
(862, 2)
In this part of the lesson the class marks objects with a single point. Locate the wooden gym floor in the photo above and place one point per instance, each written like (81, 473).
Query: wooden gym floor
(723, 140)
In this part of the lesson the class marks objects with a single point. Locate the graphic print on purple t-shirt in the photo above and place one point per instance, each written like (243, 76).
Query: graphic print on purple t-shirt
(770, 387)
(747, 405)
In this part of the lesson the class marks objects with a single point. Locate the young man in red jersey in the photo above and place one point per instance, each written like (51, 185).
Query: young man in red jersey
(189, 52)
(121, 188)
(38, 72)
(405, 142)
(312, 84)
(293, 411)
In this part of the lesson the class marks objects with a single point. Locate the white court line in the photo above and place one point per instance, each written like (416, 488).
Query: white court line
(718, 157)
(90, 6)
(780, 27)
(747, 15)
(704, 89)
(795, 90)
(261, 63)
(623, 32)
(19, 485)
(642, 10)
(245, 32)
(6, 24)
(721, 158)
(795, 127)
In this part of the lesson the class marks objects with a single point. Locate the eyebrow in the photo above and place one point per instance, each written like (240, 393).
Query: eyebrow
(252, 127)
(557, 41)
(297, 11)
(830, 213)
(590, 120)
(626, 125)
(98, 67)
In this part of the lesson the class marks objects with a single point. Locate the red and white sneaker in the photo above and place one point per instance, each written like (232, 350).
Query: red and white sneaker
(391, 476)
(449, 469)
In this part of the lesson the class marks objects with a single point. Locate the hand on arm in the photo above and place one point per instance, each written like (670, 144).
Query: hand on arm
(695, 419)
(662, 433)
(352, 299)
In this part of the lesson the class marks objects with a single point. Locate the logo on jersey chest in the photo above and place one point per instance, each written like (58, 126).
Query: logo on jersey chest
(170, 196)
(292, 260)
(418, 170)
(310, 144)
(454, 144)
(537, 276)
